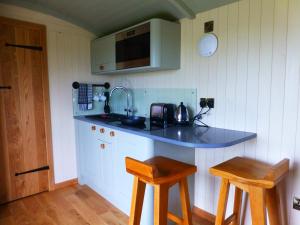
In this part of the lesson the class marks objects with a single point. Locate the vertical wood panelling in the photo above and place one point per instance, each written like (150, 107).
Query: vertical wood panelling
(265, 74)
(241, 80)
(291, 119)
(242, 64)
(291, 101)
(212, 66)
(211, 119)
(69, 61)
(222, 68)
(252, 73)
(232, 19)
(254, 77)
(201, 70)
(278, 80)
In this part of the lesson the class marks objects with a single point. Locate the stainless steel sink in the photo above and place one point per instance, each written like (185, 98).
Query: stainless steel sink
(111, 117)
(133, 121)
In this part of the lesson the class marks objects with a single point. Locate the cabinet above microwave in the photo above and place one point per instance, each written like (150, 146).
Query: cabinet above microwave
(148, 46)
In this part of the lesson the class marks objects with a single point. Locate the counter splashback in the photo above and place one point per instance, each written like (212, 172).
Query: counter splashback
(141, 99)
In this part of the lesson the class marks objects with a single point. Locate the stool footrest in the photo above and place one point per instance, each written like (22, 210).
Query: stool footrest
(175, 218)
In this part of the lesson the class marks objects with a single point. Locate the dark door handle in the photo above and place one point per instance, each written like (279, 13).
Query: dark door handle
(32, 171)
(5, 87)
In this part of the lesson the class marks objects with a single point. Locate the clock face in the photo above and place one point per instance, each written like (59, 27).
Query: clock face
(207, 45)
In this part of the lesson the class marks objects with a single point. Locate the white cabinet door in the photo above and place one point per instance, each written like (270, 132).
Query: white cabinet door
(88, 153)
(79, 125)
(103, 54)
(106, 169)
(132, 146)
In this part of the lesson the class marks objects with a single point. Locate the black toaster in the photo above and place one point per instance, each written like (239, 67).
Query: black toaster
(162, 114)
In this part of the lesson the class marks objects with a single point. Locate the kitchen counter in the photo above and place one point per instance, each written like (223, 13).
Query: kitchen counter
(189, 136)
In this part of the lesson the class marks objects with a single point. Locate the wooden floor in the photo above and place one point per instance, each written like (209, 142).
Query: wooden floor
(68, 206)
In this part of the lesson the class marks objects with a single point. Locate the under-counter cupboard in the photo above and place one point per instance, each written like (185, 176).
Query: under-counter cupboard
(101, 166)
(101, 153)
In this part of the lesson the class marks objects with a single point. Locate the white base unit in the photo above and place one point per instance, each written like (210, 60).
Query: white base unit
(101, 153)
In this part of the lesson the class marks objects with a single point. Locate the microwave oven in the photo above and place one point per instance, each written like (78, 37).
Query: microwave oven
(133, 47)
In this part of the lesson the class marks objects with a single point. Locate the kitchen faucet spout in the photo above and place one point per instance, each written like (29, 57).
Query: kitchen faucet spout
(127, 97)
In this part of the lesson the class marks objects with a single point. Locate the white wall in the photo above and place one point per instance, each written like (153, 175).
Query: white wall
(68, 60)
(254, 78)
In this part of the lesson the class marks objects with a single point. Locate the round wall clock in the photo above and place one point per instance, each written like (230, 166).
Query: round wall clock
(207, 45)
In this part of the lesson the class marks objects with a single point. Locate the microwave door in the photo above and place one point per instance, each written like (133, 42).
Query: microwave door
(133, 48)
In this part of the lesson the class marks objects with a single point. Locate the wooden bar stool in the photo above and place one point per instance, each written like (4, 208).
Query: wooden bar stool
(259, 180)
(162, 173)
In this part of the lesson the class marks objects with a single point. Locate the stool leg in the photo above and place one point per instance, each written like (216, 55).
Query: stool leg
(161, 197)
(222, 204)
(237, 205)
(273, 206)
(185, 202)
(137, 201)
(257, 205)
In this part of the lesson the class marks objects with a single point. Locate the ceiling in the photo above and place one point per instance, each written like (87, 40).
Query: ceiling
(105, 16)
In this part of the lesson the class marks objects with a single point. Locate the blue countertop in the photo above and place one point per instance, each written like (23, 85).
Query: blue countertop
(189, 136)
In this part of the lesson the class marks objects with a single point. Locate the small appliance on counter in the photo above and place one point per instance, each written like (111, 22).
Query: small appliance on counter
(182, 115)
(162, 114)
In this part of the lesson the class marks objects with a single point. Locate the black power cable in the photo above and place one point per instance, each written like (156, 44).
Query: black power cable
(199, 117)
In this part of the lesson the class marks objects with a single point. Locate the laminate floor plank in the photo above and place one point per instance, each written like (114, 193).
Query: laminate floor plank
(64, 211)
(88, 214)
(75, 205)
(37, 211)
(7, 221)
(4, 211)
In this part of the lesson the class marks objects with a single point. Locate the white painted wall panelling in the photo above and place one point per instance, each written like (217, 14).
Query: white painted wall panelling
(254, 77)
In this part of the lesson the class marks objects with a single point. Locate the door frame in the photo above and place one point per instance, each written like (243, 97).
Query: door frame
(46, 93)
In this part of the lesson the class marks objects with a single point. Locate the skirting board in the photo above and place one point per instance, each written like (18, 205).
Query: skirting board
(204, 214)
(66, 183)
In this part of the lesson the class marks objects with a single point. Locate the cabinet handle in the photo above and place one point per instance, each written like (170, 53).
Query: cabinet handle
(112, 133)
(101, 67)
(93, 128)
(102, 130)
(102, 146)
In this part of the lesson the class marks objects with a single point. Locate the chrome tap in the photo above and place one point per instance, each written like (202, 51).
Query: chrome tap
(127, 97)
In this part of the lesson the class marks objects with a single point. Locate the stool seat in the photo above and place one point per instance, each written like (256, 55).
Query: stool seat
(162, 173)
(159, 169)
(249, 171)
(259, 180)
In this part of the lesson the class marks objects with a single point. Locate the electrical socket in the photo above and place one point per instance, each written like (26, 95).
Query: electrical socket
(207, 103)
(210, 102)
(296, 203)
(203, 102)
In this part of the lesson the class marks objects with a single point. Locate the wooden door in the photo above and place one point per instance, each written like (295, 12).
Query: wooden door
(24, 110)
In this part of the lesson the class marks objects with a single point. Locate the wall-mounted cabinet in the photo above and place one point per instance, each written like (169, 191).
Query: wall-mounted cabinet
(148, 46)
(103, 54)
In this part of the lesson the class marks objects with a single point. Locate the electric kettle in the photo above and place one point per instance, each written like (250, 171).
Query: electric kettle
(182, 115)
